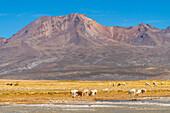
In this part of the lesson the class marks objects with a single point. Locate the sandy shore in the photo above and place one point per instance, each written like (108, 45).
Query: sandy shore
(151, 106)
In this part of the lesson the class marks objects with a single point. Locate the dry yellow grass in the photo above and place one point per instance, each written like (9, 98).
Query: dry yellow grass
(32, 91)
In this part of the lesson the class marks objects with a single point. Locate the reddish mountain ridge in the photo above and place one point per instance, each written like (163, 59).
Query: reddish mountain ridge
(50, 27)
(56, 43)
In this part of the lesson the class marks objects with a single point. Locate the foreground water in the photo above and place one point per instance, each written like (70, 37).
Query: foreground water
(106, 106)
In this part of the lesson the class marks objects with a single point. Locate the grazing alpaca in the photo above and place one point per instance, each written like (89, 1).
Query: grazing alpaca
(119, 84)
(147, 84)
(79, 93)
(143, 91)
(10, 84)
(105, 90)
(155, 83)
(85, 92)
(16, 84)
(93, 92)
(138, 92)
(73, 92)
(123, 84)
(132, 91)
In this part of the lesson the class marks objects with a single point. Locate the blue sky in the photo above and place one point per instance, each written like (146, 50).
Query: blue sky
(16, 14)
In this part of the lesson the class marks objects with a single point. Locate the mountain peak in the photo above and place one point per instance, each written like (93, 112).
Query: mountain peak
(144, 25)
(73, 14)
(141, 24)
(2, 40)
(147, 26)
(168, 28)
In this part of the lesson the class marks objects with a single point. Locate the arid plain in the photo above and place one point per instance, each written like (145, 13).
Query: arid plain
(38, 92)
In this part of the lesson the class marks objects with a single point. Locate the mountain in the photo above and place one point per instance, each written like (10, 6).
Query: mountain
(167, 30)
(74, 47)
(2, 40)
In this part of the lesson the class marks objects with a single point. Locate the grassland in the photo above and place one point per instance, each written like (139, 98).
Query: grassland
(37, 91)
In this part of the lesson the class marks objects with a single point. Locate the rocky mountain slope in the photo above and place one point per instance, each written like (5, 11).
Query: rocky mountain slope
(64, 47)
(2, 40)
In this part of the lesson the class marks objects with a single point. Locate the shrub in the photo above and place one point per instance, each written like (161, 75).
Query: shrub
(51, 93)
(120, 91)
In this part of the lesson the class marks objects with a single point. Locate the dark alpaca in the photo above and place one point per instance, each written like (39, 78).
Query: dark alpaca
(119, 84)
(10, 84)
(16, 84)
(79, 93)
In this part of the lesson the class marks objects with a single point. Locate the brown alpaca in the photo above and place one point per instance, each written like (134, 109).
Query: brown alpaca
(16, 84)
(79, 93)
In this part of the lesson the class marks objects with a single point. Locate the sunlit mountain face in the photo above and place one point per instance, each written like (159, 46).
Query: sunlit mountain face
(74, 47)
